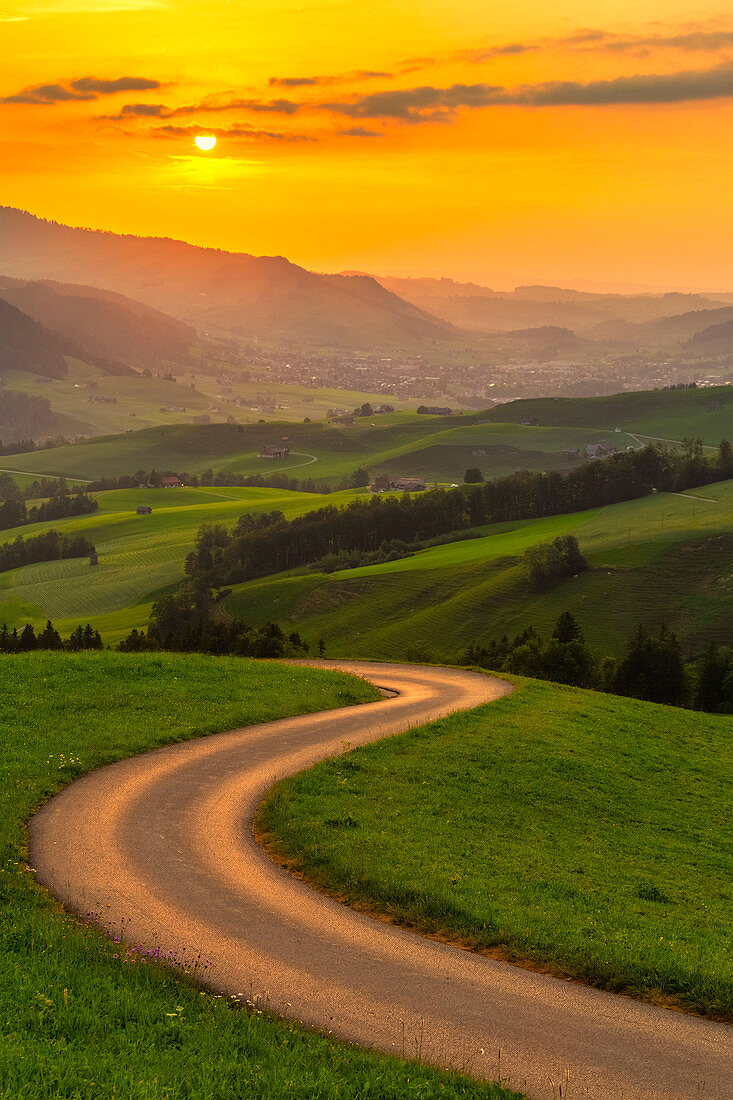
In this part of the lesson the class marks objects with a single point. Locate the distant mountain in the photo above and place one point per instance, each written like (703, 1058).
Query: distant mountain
(265, 297)
(713, 340)
(27, 346)
(106, 325)
(599, 316)
(663, 333)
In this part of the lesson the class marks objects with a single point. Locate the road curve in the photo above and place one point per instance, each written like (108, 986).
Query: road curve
(164, 842)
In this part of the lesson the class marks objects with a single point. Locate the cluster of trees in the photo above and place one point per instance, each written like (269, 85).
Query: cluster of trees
(365, 523)
(550, 562)
(22, 446)
(45, 488)
(15, 513)
(714, 688)
(185, 622)
(48, 546)
(26, 640)
(24, 415)
(651, 667)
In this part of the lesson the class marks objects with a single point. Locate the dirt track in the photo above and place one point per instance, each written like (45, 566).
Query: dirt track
(164, 841)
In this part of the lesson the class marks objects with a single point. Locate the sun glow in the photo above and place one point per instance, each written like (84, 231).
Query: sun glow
(205, 142)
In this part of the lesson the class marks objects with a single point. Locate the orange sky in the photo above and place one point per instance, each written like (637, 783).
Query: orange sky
(542, 141)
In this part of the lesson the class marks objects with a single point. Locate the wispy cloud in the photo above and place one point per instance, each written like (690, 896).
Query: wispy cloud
(691, 85)
(424, 104)
(338, 78)
(212, 105)
(360, 131)
(432, 104)
(250, 133)
(83, 88)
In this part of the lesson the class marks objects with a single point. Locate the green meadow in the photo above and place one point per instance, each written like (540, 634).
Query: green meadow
(439, 449)
(664, 558)
(669, 414)
(83, 1018)
(138, 555)
(566, 829)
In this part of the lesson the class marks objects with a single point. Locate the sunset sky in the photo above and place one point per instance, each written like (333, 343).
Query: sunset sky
(538, 140)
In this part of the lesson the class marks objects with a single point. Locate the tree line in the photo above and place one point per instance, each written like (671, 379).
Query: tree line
(187, 622)
(651, 667)
(15, 513)
(26, 640)
(366, 523)
(49, 546)
(208, 478)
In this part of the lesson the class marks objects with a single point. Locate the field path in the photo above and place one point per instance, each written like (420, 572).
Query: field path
(161, 848)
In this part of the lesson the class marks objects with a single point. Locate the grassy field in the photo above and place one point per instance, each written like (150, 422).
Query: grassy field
(659, 559)
(671, 414)
(143, 402)
(585, 833)
(138, 555)
(401, 444)
(81, 1018)
(438, 449)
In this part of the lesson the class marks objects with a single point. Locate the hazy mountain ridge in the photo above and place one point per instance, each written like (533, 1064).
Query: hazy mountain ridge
(27, 346)
(264, 297)
(597, 316)
(105, 325)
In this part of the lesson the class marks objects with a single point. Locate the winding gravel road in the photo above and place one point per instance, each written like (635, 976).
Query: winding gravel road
(164, 841)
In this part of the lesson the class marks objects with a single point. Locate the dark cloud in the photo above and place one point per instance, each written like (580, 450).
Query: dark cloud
(485, 53)
(160, 110)
(696, 84)
(47, 94)
(596, 40)
(274, 106)
(424, 104)
(429, 104)
(294, 81)
(84, 88)
(360, 131)
(108, 87)
(690, 41)
(340, 78)
(140, 110)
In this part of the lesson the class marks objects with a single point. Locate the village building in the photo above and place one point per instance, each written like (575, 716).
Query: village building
(600, 450)
(381, 483)
(144, 510)
(274, 450)
(171, 482)
(410, 485)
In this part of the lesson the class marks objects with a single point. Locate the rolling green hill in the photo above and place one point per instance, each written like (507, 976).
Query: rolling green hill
(399, 444)
(665, 557)
(581, 831)
(659, 559)
(671, 414)
(138, 555)
(402, 444)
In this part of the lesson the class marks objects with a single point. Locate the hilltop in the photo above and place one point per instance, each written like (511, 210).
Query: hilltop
(102, 325)
(261, 297)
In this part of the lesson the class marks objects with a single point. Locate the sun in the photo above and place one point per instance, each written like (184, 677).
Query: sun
(205, 141)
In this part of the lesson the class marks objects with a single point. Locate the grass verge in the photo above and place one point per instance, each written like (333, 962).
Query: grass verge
(82, 1018)
(574, 831)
